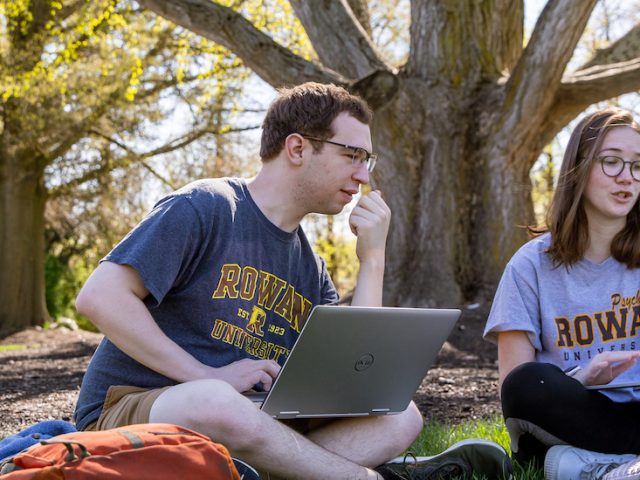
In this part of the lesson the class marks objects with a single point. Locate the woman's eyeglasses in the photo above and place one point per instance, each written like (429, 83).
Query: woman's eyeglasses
(613, 166)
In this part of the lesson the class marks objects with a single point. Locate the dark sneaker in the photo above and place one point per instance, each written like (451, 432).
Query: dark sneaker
(472, 456)
(246, 471)
(564, 462)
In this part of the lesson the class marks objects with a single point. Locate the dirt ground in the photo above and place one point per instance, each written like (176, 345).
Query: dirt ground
(41, 381)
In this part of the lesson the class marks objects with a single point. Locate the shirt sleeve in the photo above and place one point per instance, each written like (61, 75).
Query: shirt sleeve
(328, 293)
(163, 247)
(516, 304)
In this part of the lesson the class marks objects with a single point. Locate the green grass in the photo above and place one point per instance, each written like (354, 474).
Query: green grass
(436, 437)
(16, 346)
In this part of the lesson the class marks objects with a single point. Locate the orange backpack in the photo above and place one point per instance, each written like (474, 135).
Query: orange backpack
(142, 452)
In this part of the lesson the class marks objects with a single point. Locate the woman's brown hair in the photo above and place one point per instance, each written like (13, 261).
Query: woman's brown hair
(566, 219)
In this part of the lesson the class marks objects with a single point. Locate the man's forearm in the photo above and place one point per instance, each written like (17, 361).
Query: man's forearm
(112, 299)
(134, 331)
(368, 291)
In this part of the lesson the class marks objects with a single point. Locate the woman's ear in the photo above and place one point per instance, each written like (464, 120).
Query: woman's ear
(294, 146)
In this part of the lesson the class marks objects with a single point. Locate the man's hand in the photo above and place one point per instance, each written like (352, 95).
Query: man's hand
(369, 221)
(606, 366)
(245, 373)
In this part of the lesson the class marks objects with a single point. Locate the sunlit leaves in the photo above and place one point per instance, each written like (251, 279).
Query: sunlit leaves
(18, 15)
(90, 98)
(134, 80)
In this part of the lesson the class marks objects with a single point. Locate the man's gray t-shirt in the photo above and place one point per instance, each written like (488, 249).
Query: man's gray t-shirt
(224, 283)
(570, 315)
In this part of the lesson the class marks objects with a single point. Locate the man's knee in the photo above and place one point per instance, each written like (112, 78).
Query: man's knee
(413, 420)
(406, 426)
(212, 407)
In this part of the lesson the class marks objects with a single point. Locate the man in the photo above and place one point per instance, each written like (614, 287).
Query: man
(206, 296)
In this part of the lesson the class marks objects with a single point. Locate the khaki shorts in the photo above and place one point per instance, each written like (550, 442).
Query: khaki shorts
(125, 405)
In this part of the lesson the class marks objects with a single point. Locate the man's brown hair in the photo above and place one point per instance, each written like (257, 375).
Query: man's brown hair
(308, 109)
(566, 218)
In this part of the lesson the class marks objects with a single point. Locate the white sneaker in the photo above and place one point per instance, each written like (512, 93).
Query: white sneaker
(564, 462)
(626, 471)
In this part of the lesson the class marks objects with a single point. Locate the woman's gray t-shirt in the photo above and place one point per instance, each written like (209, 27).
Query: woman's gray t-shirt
(569, 314)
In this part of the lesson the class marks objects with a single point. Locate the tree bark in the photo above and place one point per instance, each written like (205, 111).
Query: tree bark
(456, 209)
(348, 49)
(22, 200)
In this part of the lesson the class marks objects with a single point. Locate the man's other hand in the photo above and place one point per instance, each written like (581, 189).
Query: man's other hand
(245, 373)
(369, 221)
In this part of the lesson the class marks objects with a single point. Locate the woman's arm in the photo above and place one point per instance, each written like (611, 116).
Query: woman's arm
(514, 348)
(605, 367)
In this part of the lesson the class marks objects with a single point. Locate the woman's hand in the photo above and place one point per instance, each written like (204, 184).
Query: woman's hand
(606, 366)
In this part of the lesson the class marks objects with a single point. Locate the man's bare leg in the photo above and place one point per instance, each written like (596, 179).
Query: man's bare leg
(214, 408)
(370, 441)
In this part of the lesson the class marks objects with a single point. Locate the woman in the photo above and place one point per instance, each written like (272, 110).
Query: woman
(566, 314)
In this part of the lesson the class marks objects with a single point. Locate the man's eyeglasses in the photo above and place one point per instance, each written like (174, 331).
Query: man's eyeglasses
(613, 166)
(359, 155)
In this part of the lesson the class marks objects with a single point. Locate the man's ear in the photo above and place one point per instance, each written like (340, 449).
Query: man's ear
(294, 146)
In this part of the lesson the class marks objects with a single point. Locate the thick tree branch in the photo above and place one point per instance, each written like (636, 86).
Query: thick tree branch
(339, 39)
(530, 91)
(275, 64)
(505, 32)
(458, 43)
(584, 88)
(626, 48)
(611, 72)
(600, 82)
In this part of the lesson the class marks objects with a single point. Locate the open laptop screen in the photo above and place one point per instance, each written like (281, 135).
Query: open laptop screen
(356, 361)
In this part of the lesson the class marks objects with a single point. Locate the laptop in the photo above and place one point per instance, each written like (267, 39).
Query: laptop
(357, 361)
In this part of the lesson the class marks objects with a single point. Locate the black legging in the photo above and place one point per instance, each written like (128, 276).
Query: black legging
(540, 402)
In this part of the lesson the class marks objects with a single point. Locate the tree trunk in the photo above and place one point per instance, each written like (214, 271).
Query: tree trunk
(22, 200)
(456, 200)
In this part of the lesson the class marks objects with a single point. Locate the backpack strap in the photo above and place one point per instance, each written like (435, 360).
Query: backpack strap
(69, 444)
(135, 440)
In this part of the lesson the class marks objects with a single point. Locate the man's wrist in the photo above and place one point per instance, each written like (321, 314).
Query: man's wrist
(373, 262)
